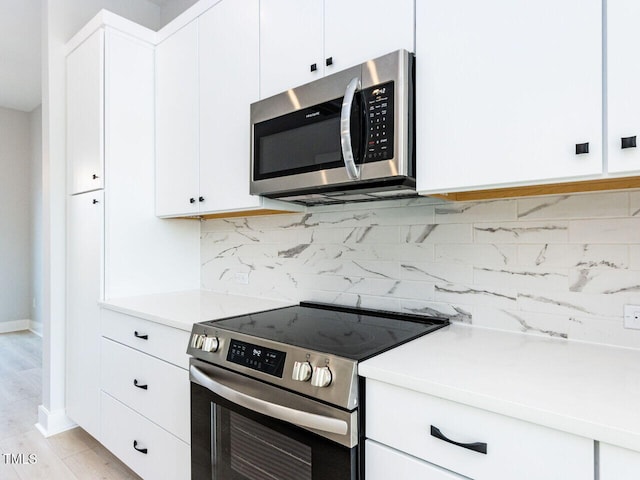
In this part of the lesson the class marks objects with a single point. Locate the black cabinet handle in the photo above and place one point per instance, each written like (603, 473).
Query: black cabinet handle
(201, 199)
(628, 142)
(582, 148)
(141, 335)
(94, 176)
(143, 387)
(476, 447)
(329, 61)
(141, 450)
(192, 200)
(314, 67)
(95, 201)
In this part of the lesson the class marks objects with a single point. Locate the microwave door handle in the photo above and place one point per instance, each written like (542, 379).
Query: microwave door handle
(345, 129)
(291, 415)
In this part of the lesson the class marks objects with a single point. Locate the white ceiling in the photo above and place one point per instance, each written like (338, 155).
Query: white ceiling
(20, 51)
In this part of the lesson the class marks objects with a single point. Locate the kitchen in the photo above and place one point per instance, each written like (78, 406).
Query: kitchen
(561, 266)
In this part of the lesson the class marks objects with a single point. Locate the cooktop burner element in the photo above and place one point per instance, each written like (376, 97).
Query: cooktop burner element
(310, 348)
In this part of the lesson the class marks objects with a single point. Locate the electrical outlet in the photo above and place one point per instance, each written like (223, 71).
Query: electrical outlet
(243, 278)
(632, 316)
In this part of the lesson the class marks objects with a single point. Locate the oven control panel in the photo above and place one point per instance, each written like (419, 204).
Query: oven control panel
(378, 103)
(256, 357)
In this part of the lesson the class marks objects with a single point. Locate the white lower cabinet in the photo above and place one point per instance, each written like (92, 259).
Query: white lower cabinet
(145, 395)
(147, 449)
(405, 420)
(383, 463)
(618, 463)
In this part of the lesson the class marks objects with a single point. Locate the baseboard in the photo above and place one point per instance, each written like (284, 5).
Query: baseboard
(53, 423)
(15, 326)
(35, 327)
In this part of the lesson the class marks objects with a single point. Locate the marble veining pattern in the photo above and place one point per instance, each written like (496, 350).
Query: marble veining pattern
(559, 266)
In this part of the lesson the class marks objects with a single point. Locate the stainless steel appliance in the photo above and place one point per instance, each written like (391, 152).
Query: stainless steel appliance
(276, 394)
(343, 138)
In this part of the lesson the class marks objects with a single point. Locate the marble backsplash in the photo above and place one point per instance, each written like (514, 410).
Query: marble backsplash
(562, 266)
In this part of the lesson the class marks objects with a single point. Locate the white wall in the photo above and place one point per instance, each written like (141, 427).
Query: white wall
(14, 219)
(35, 137)
(174, 8)
(61, 20)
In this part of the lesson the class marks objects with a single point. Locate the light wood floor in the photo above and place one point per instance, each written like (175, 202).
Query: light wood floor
(67, 456)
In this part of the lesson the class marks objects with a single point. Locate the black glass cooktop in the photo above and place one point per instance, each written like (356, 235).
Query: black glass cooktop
(346, 332)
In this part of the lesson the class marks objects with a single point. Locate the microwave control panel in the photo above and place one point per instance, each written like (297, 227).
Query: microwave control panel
(378, 101)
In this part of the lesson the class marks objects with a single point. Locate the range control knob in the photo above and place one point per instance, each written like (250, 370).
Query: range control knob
(301, 371)
(196, 340)
(210, 344)
(321, 377)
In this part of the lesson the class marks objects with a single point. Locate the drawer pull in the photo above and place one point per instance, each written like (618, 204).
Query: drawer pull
(141, 335)
(141, 450)
(136, 384)
(476, 447)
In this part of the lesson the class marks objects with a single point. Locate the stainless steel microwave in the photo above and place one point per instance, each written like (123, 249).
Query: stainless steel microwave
(346, 137)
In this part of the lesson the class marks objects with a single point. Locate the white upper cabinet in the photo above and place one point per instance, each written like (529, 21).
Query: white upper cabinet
(229, 83)
(508, 93)
(85, 115)
(291, 44)
(177, 108)
(359, 30)
(302, 40)
(623, 95)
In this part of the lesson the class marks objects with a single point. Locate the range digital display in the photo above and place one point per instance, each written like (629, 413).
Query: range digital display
(256, 357)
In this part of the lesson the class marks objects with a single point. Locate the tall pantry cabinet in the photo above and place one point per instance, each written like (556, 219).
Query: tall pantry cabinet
(116, 246)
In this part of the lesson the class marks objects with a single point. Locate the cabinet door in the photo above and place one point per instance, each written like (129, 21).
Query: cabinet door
(177, 123)
(229, 83)
(85, 214)
(85, 114)
(360, 30)
(623, 95)
(618, 463)
(291, 40)
(505, 91)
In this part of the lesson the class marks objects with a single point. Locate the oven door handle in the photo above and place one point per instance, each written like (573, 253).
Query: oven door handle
(291, 415)
(345, 129)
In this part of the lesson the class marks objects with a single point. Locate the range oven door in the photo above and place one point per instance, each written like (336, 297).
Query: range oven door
(244, 429)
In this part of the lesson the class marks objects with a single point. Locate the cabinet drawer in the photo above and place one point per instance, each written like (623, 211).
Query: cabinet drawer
(403, 419)
(164, 342)
(160, 392)
(383, 463)
(166, 456)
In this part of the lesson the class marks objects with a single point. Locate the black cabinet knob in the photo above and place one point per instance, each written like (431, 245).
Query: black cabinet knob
(141, 450)
(95, 201)
(628, 142)
(582, 148)
(94, 176)
(329, 61)
(201, 199)
(192, 200)
(314, 67)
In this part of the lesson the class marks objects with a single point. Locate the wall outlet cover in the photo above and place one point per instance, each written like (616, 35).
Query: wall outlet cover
(632, 316)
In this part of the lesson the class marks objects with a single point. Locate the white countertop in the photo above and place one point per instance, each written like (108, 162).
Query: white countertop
(183, 309)
(581, 388)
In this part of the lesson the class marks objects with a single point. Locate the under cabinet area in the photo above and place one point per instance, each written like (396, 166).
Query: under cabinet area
(145, 403)
(469, 441)
(301, 41)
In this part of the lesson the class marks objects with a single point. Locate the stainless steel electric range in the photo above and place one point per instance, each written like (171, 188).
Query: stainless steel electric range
(276, 394)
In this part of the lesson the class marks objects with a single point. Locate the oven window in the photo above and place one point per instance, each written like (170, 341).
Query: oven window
(259, 453)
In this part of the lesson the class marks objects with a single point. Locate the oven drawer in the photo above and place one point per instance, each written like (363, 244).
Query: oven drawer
(383, 463)
(164, 342)
(155, 454)
(165, 400)
(404, 419)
